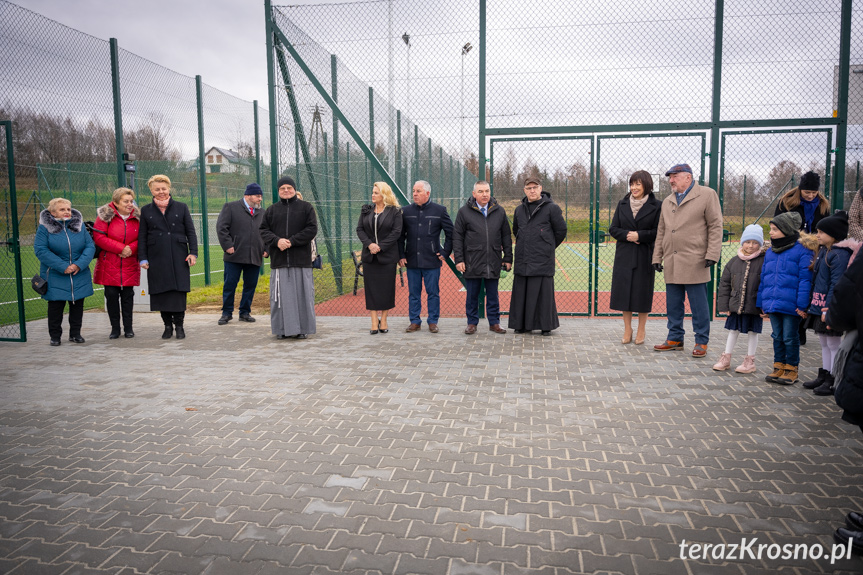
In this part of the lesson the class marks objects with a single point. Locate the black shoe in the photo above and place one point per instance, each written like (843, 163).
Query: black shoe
(55, 342)
(247, 317)
(169, 331)
(226, 318)
(129, 333)
(544, 332)
(300, 336)
(282, 337)
(520, 330)
(76, 339)
(826, 388)
(854, 521)
(181, 333)
(373, 331)
(818, 380)
(842, 536)
(115, 333)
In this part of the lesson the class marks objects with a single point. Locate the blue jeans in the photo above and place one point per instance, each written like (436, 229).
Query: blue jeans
(674, 305)
(250, 282)
(786, 338)
(471, 302)
(431, 278)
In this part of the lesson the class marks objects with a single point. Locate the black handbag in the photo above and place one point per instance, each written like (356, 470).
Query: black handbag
(317, 260)
(40, 286)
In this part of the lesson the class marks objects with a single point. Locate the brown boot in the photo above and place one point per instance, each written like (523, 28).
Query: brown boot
(776, 373)
(789, 375)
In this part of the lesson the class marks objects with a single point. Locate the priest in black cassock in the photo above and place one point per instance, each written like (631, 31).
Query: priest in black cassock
(538, 228)
(288, 228)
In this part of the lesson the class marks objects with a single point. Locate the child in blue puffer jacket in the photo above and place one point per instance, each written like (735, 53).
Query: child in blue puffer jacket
(783, 294)
(830, 264)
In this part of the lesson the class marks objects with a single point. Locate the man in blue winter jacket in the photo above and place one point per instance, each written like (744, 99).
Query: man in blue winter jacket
(421, 252)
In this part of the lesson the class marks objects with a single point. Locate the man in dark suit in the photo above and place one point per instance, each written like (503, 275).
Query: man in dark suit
(239, 233)
(482, 246)
(422, 254)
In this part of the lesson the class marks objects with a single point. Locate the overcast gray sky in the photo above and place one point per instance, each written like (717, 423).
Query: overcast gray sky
(222, 40)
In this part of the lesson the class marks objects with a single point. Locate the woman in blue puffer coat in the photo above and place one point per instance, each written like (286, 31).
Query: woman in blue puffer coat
(65, 249)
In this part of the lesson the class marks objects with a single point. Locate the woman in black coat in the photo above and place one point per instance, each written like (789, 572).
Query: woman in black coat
(634, 226)
(167, 248)
(379, 228)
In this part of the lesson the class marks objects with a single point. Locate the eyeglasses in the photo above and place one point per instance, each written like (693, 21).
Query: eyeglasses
(531, 187)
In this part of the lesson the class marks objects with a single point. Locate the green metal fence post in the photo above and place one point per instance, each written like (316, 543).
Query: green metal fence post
(348, 196)
(838, 200)
(257, 149)
(482, 49)
(371, 123)
(202, 180)
(118, 112)
(743, 224)
(13, 242)
(336, 259)
(857, 176)
(718, 30)
(416, 169)
(400, 173)
(271, 96)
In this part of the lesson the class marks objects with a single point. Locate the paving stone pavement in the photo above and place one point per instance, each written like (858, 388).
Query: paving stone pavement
(233, 453)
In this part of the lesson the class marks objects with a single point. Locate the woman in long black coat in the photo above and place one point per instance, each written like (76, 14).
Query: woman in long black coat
(634, 226)
(167, 248)
(379, 228)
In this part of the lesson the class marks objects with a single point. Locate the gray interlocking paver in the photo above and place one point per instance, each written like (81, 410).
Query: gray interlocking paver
(441, 454)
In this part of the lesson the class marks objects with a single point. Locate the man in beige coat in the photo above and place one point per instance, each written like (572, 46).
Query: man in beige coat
(688, 243)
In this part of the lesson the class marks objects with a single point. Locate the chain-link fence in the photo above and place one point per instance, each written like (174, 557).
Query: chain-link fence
(580, 97)
(68, 93)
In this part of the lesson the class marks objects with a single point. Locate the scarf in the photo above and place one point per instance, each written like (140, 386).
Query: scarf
(746, 258)
(162, 204)
(780, 245)
(635, 205)
(809, 208)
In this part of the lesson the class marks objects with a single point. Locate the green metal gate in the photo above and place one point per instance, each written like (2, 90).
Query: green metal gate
(565, 166)
(617, 157)
(12, 325)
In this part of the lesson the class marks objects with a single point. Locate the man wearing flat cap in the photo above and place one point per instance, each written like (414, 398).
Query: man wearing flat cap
(288, 228)
(538, 227)
(688, 244)
(239, 231)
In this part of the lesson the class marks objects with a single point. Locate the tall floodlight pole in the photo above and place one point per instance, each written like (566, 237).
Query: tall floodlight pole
(464, 50)
(407, 40)
(392, 120)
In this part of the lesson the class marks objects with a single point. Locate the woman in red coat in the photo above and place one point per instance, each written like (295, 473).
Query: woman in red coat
(116, 233)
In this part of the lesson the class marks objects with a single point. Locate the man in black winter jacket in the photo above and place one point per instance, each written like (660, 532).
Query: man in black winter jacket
(481, 236)
(421, 252)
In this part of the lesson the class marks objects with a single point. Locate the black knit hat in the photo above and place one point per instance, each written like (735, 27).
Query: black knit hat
(286, 180)
(810, 181)
(835, 226)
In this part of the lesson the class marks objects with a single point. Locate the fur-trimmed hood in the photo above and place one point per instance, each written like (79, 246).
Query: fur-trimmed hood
(54, 226)
(107, 212)
(852, 245)
(809, 241)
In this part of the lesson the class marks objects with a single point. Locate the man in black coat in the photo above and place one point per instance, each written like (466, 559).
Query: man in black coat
(538, 227)
(420, 251)
(239, 233)
(480, 237)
